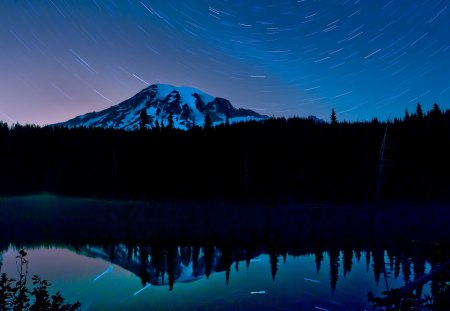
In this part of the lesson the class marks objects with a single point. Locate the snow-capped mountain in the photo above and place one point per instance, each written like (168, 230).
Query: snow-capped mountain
(151, 265)
(188, 107)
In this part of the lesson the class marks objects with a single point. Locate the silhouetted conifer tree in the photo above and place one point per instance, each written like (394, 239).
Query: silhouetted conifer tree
(397, 265)
(378, 264)
(347, 260)
(185, 254)
(334, 268)
(143, 119)
(209, 257)
(195, 267)
(227, 261)
(435, 114)
(248, 258)
(318, 257)
(273, 265)
(172, 264)
(143, 258)
(170, 122)
(112, 252)
(358, 255)
(436, 110)
(208, 122)
(407, 116)
(157, 262)
(419, 270)
(406, 269)
(419, 112)
(129, 251)
(333, 117)
(157, 126)
(367, 261)
(391, 261)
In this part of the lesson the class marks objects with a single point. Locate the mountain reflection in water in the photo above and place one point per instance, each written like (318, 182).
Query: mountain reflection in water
(169, 244)
(183, 264)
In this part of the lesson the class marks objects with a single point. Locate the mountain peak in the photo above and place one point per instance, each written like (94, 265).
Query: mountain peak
(187, 105)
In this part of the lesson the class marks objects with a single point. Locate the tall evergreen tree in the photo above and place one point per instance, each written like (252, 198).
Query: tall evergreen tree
(143, 119)
(419, 112)
(333, 117)
(208, 122)
(436, 111)
(170, 121)
(273, 264)
(407, 116)
(435, 114)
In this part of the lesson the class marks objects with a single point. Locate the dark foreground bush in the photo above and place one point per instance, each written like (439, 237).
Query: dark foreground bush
(16, 295)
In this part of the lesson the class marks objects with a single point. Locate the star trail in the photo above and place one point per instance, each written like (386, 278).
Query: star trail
(61, 58)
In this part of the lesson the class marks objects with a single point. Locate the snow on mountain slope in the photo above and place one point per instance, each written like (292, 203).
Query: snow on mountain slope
(188, 107)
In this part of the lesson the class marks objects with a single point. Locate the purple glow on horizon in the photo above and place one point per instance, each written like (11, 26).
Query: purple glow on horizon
(60, 59)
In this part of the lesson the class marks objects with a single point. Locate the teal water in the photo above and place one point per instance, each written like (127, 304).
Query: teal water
(102, 285)
(112, 255)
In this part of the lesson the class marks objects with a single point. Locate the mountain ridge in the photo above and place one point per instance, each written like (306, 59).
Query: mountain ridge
(187, 106)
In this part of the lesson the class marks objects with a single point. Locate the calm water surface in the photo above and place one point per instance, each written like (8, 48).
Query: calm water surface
(100, 284)
(187, 259)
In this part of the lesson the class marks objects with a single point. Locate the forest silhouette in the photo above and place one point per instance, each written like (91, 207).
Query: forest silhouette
(276, 159)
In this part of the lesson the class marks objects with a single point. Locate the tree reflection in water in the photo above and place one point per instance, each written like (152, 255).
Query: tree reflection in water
(171, 243)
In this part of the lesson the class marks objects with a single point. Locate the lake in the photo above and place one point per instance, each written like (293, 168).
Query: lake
(112, 255)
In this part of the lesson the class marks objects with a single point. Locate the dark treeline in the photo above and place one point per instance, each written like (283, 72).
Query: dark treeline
(277, 158)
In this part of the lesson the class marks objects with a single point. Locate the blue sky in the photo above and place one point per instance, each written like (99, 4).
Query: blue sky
(61, 58)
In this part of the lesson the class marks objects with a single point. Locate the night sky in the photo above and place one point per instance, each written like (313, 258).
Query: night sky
(61, 58)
